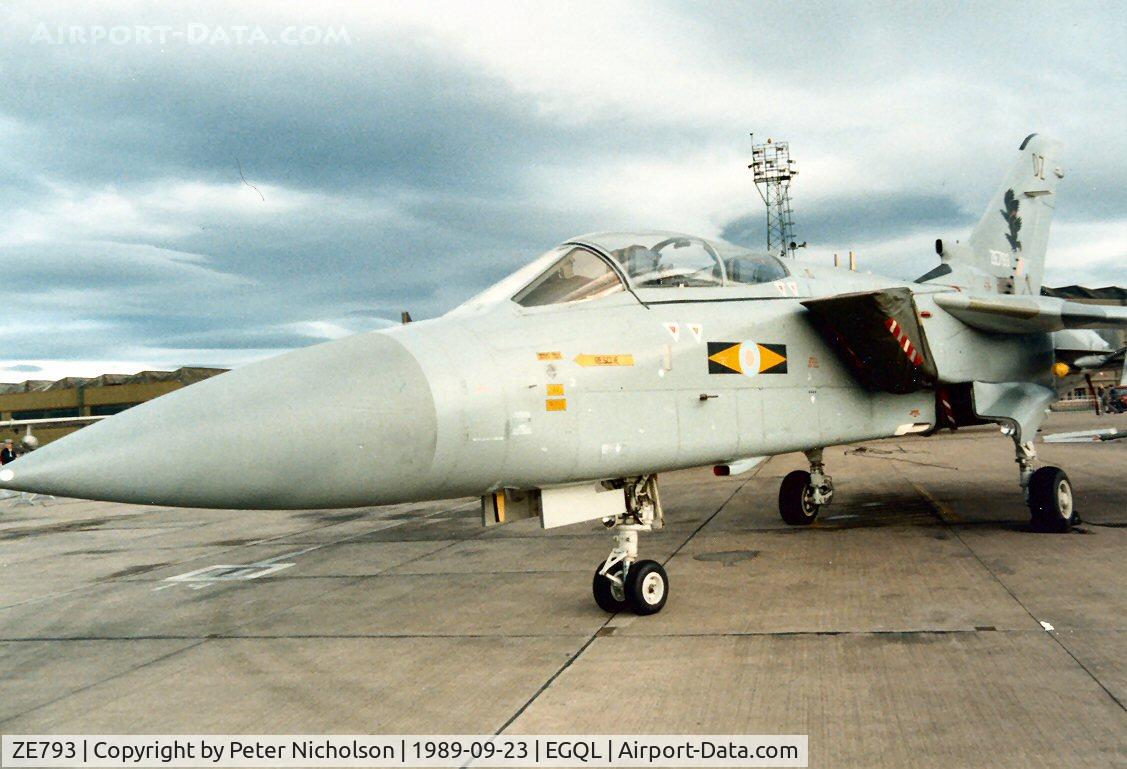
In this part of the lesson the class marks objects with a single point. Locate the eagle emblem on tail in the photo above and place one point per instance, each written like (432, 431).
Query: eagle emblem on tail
(1009, 213)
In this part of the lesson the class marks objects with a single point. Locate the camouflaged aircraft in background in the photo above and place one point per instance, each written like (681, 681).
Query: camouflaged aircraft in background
(564, 390)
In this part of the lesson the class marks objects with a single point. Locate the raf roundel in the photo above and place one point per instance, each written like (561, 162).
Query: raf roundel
(747, 358)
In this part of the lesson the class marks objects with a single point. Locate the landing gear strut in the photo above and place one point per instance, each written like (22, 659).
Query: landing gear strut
(1048, 492)
(622, 581)
(803, 493)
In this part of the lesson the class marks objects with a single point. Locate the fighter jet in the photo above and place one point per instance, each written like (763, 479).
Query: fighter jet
(563, 391)
(1084, 351)
(1079, 353)
(29, 441)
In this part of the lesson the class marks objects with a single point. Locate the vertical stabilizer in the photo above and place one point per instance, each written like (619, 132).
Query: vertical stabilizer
(1009, 241)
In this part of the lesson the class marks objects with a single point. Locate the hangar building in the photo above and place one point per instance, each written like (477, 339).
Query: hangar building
(81, 397)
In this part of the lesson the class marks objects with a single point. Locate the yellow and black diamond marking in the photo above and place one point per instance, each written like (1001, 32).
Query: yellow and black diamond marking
(747, 358)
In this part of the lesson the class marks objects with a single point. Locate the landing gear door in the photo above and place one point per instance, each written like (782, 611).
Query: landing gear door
(564, 505)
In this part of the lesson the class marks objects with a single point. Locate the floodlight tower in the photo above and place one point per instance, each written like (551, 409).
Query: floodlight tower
(773, 168)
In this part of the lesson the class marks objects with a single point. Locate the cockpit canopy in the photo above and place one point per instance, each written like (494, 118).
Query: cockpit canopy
(672, 260)
(595, 265)
(606, 263)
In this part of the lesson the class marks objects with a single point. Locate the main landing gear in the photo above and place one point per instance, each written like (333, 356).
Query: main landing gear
(622, 581)
(803, 493)
(1048, 492)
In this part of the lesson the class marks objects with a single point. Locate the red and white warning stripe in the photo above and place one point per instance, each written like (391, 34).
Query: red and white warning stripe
(905, 343)
(945, 404)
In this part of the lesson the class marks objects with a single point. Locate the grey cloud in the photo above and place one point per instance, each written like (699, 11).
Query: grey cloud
(89, 265)
(24, 368)
(423, 174)
(323, 259)
(384, 114)
(838, 43)
(843, 222)
(238, 339)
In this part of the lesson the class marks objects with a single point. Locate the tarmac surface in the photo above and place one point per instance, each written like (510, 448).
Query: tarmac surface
(904, 629)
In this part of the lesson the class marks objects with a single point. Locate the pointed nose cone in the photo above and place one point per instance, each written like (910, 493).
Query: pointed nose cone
(340, 424)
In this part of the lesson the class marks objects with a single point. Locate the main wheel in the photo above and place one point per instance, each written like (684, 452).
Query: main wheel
(796, 499)
(609, 595)
(1050, 500)
(647, 587)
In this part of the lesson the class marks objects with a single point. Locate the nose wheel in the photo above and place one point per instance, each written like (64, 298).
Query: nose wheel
(643, 590)
(610, 589)
(647, 587)
(622, 581)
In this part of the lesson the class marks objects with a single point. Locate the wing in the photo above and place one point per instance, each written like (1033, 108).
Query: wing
(50, 421)
(877, 335)
(1029, 314)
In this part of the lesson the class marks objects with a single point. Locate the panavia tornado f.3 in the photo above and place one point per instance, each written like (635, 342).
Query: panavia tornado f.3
(562, 391)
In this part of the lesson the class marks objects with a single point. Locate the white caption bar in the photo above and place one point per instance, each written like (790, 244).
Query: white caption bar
(664, 750)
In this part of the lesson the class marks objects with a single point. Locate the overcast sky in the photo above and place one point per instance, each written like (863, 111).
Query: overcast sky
(408, 155)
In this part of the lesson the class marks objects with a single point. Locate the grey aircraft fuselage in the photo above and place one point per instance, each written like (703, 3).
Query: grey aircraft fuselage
(497, 395)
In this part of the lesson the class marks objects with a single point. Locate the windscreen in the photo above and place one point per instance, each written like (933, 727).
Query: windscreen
(578, 275)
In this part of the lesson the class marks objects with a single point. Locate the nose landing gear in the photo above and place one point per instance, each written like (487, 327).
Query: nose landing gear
(802, 493)
(622, 581)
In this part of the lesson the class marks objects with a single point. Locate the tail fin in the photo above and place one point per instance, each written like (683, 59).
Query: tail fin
(1009, 241)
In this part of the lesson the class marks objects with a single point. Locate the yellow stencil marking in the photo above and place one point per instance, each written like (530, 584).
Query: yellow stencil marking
(604, 360)
(555, 404)
(555, 389)
(554, 355)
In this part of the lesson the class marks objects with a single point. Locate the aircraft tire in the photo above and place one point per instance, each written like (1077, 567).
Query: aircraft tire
(647, 587)
(794, 499)
(1050, 500)
(610, 597)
